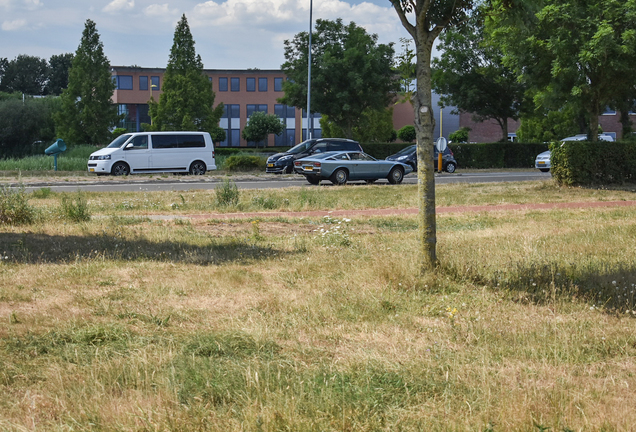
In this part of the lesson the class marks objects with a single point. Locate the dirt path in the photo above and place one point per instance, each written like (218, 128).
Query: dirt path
(410, 211)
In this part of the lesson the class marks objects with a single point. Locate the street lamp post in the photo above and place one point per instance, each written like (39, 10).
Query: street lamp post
(309, 128)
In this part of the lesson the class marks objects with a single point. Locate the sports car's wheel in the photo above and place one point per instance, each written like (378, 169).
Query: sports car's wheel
(119, 169)
(450, 167)
(289, 169)
(396, 175)
(313, 180)
(339, 176)
(197, 168)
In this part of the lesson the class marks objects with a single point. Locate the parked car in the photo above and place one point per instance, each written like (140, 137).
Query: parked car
(341, 167)
(284, 162)
(408, 155)
(542, 161)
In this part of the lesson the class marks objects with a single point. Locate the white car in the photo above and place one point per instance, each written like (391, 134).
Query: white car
(542, 162)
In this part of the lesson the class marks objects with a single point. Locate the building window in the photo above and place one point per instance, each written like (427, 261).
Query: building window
(223, 84)
(288, 115)
(235, 84)
(123, 82)
(278, 84)
(315, 122)
(154, 83)
(143, 83)
(609, 111)
(231, 123)
(250, 84)
(262, 84)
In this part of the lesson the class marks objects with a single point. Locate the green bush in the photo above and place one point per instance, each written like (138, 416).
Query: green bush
(592, 163)
(497, 155)
(407, 134)
(460, 135)
(75, 209)
(227, 194)
(14, 207)
(244, 162)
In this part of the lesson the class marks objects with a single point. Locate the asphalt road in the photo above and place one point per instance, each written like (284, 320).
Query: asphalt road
(181, 183)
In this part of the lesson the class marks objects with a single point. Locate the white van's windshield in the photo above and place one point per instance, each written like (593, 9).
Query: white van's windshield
(119, 141)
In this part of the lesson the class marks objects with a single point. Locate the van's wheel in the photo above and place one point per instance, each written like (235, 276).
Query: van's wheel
(197, 168)
(450, 167)
(120, 169)
(339, 176)
(396, 175)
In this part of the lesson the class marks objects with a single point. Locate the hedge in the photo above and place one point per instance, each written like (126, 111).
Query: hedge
(471, 155)
(497, 155)
(244, 163)
(592, 163)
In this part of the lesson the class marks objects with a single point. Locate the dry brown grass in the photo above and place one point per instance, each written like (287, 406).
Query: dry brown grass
(134, 324)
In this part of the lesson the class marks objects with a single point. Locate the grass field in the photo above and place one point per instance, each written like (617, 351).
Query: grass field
(111, 320)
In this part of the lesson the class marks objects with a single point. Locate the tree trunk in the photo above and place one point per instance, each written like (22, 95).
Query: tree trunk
(424, 126)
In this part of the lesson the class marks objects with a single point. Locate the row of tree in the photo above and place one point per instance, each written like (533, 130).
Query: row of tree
(554, 64)
(32, 75)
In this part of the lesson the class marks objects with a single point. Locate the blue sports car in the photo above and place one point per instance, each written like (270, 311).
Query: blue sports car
(342, 166)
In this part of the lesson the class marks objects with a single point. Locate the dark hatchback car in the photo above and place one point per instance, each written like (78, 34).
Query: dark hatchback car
(408, 155)
(284, 162)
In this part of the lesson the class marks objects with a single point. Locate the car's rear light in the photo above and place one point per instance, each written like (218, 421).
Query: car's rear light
(316, 164)
(296, 163)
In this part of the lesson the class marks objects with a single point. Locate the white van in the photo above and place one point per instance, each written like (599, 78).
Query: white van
(151, 152)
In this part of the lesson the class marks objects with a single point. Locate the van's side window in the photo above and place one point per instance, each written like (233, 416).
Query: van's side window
(139, 143)
(189, 141)
(165, 141)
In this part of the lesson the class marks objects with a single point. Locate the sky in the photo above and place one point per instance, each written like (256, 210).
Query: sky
(228, 34)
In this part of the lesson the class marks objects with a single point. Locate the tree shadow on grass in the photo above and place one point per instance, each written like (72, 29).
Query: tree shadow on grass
(39, 248)
(611, 286)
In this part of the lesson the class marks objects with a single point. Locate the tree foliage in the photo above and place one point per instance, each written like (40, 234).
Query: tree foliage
(26, 127)
(373, 126)
(187, 99)
(425, 20)
(570, 52)
(59, 66)
(87, 112)
(471, 75)
(260, 125)
(351, 73)
(25, 74)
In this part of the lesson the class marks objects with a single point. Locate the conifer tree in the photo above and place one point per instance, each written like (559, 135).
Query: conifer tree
(87, 112)
(187, 99)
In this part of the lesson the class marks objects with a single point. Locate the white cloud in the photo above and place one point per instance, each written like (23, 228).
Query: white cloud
(118, 5)
(161, 11)
(13, 25)
(32, 4)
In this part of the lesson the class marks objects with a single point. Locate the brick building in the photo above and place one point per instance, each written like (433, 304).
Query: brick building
(247, 90)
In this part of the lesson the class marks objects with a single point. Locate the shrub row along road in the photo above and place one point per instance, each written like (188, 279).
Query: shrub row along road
(177, 183)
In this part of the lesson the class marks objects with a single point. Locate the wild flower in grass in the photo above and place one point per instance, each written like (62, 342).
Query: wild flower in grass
(334, 235)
